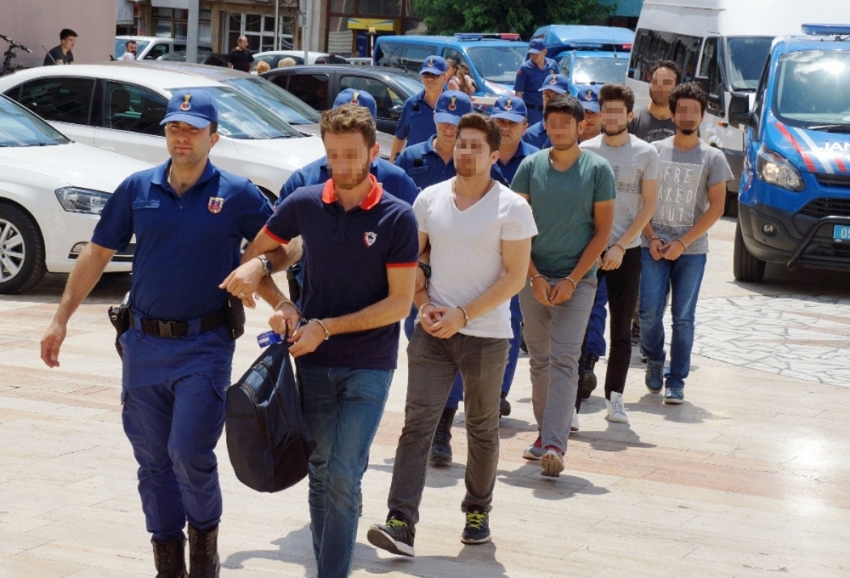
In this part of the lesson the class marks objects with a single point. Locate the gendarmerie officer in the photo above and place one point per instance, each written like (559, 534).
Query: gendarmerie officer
(554, 85)
(530, 78)
(416, 124)
(189, 219)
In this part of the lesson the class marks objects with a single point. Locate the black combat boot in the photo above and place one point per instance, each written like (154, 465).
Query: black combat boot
(441, 449)
(203, 553)
(587, 381)
(170, 558)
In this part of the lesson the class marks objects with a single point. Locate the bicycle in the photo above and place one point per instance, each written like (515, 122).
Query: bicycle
(8, 67)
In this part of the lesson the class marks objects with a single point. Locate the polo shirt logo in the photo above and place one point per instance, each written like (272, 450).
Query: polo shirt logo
(215, 205)
(186, 106)
(369, 238)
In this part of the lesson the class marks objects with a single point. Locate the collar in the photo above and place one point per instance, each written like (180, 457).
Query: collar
(421, 98)
(372, 199)
(160, 174)
(522, 151)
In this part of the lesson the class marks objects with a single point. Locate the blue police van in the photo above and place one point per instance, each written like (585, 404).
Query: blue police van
(794, 199)
(492, 58)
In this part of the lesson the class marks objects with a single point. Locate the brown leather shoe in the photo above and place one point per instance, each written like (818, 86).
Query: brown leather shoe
(203, 553)
(169, 557)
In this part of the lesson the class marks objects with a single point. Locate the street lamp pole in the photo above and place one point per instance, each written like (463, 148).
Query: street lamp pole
(192, 32)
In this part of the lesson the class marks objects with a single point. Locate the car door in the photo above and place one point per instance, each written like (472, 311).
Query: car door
(313, 88)
(64, 101)
(385, 97)
(131, 115)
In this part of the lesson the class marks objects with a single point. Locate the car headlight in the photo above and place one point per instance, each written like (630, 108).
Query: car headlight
(775, 169)
(76, 200)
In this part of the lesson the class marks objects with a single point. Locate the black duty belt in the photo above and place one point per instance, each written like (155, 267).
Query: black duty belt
(175, 329)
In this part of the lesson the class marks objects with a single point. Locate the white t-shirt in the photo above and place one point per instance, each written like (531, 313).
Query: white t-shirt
(466, 249)
(127, 56)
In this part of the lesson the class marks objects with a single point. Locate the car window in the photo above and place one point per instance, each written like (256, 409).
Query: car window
(311, 88)
(498, 63)
(59, 98)
(157, 50)
(380, 92)
(709, 65)
(276, 99)
(407, 56)
(133, 109)
(565, 66)
(20, 128)
(178, 47)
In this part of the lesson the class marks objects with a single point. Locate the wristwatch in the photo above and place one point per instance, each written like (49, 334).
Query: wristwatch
(425, 269)
(268, 268)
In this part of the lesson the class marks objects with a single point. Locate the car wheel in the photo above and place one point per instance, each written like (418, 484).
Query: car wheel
(746, 267)
(21, 251)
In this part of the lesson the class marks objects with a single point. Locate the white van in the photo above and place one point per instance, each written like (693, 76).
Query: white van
(723, 44)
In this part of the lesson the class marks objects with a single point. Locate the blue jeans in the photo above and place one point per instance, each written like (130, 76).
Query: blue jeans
(594, 341)
(683, 277)
(342, 408)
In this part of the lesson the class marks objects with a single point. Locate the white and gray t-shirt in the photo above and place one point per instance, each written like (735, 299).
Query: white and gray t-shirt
(683, 183)
(466, 248)
(632, 163)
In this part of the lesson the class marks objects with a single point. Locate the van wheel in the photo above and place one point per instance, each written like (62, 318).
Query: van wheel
(746, 267)
(730, 209)
(21, 251)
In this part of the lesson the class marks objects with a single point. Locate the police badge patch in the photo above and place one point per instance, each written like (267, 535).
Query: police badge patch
(369, 239)
(215, 205)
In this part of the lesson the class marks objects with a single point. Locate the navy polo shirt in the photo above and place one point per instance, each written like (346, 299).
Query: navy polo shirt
(417, 120)
(426, 167)
(348, 254)
(529, 79)
(536, 136)
(185, 246)
(393, 180)
(509, 170)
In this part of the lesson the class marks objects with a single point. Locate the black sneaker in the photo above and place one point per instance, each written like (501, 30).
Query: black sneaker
(395, 536)
(504, 406)
(477, 530)
(441, 445)
(588, 378)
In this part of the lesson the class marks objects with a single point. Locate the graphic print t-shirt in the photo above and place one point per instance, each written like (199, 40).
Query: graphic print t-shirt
(647, 127)
(683, 182)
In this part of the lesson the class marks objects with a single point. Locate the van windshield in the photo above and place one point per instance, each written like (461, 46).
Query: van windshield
(596, 70)
(813, 88)
(746, 58)
(498, 63)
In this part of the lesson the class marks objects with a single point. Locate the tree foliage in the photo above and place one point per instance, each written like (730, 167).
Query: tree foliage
(522, 16)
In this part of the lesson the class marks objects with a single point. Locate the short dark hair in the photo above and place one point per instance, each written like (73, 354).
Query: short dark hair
(487, 126)
(213, 127)
(129, 42)
(350, 118)
(668, 64)
(691, 91)
(66, 32)
(619, 92)
(564, 104)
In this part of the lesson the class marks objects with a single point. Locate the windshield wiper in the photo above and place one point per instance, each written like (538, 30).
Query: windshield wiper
(842, 128)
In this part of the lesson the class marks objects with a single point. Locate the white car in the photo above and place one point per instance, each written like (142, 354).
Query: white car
(52, 191)
(153, 47)
(272, 57)
(117, 106)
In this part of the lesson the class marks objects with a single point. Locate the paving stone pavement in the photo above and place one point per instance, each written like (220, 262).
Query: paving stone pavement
(748, 478)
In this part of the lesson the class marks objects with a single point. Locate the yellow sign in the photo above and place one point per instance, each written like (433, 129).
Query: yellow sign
(375, 23)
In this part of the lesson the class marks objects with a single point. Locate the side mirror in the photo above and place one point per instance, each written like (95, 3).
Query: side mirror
(395, 111)
(631, 73)
(739, 110)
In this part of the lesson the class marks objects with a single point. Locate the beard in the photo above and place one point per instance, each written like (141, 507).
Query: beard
(466, 169)
(619, 130)
(658, 100)
(350, 181)
(687, 131)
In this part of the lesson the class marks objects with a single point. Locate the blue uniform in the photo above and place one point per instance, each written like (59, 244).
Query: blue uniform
(529, 80)
(173, 389)
(509, 170)
(416, 124)
(426, 167)
(535, 135)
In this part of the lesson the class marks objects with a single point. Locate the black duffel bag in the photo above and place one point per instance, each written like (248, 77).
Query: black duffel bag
(266, 434)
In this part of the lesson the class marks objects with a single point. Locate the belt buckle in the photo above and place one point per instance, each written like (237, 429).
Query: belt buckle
(164, 328)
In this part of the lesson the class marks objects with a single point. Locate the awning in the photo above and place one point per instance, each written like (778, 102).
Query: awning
(181, 4)
(376, 23)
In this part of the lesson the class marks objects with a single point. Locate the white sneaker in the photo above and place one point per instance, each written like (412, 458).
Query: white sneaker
(616, 409)
(574, 421)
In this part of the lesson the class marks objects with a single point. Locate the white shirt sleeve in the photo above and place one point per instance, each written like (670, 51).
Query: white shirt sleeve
(519, 222)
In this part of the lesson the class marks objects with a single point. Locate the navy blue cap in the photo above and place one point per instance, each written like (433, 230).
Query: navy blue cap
(452, 105)
(361, 97)
(588, 96)
(557, 83)
(510, 108)
(537, 45)
(434, 65)
(193, 106)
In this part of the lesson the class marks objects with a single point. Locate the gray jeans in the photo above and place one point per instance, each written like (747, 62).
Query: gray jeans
(432, 366)
(553, 335)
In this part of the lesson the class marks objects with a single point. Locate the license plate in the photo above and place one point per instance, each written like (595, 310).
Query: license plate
(841, 234)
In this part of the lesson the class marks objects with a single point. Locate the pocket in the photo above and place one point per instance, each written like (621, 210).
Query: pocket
(627, 175)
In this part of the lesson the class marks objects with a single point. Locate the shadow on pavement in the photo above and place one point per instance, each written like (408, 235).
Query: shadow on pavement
(528, 477)
(684, 413)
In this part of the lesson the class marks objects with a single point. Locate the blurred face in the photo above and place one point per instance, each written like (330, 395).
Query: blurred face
(688, 116)
(348, 158)
(562, 130)
(511, 131)
(188, 145)
(539, 58)
(548, 95)
(615, 117)
(472, 153)
(451, 71)
(132, 48)
(242, 43)
(433, 82)
(662, 84)
(68, 43)
(446, 132)
(591, 123)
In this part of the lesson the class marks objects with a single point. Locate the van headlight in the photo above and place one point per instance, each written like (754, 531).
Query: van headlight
(76, 200)
(775, 169)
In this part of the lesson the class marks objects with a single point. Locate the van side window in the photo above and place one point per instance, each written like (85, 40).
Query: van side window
(653, 45)
(387, 54)
(407, 56)
(684, 51)
(709, 66)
